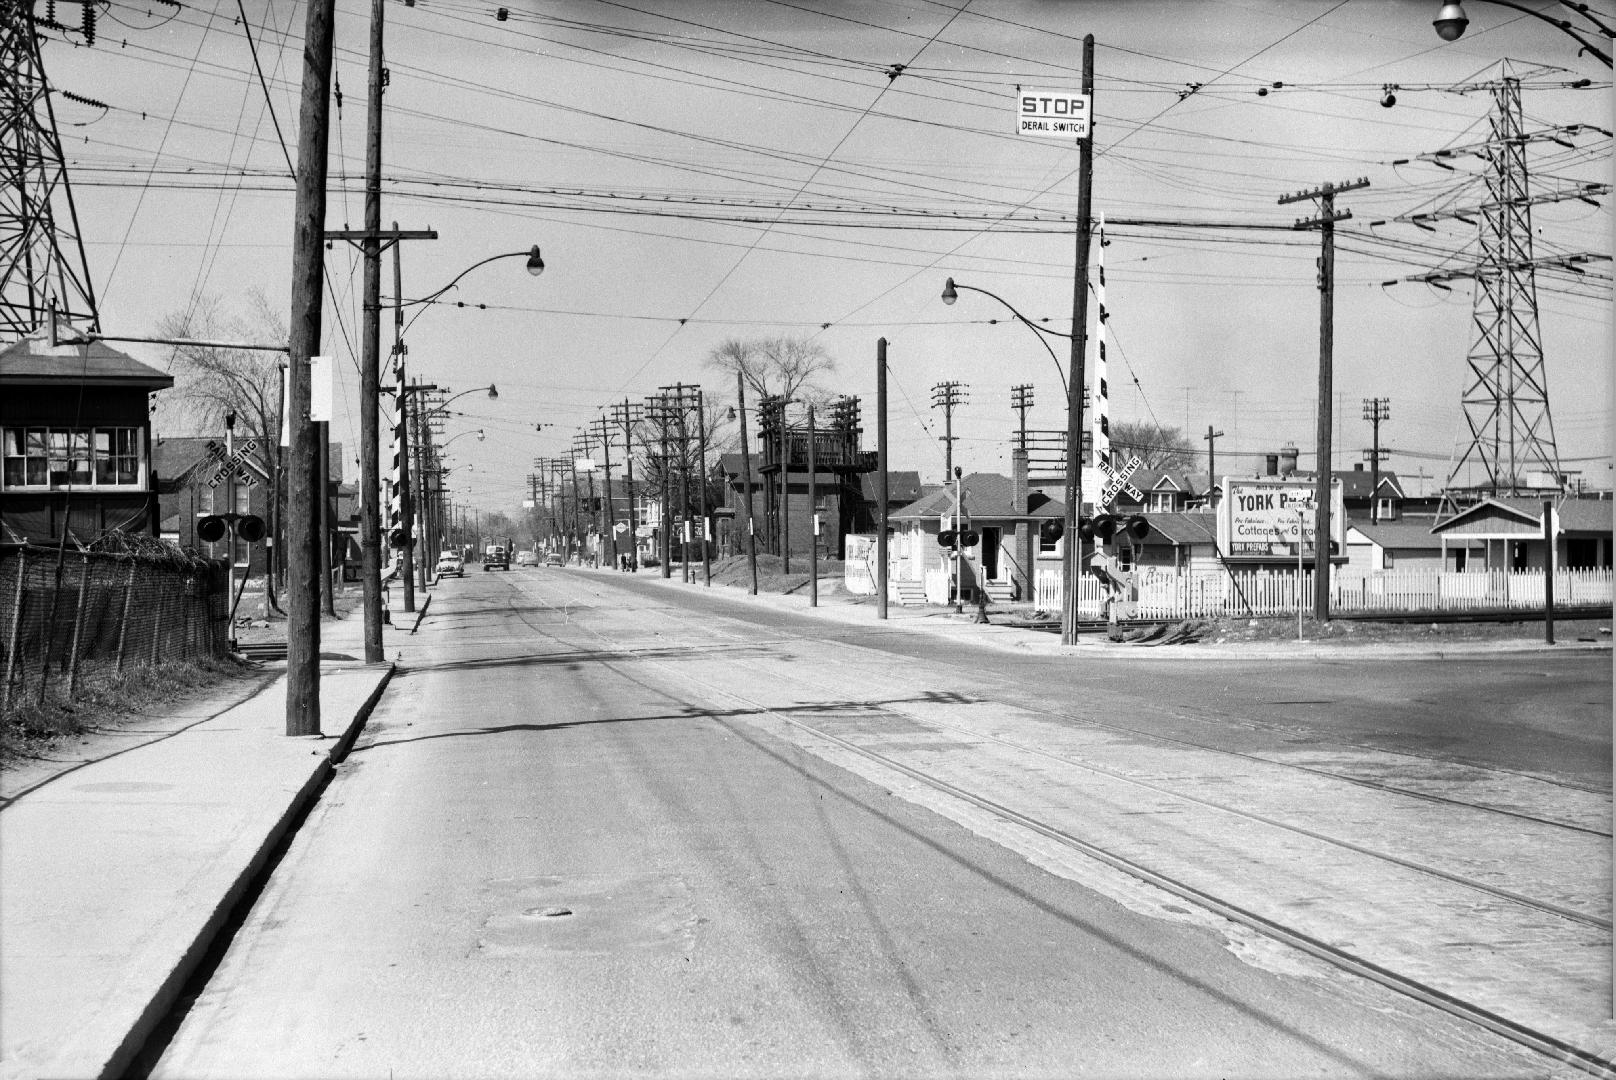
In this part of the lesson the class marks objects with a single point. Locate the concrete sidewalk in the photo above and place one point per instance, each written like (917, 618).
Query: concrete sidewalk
(116, 877)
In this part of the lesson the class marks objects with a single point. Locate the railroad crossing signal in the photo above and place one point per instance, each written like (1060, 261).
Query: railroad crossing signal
(1118, 483)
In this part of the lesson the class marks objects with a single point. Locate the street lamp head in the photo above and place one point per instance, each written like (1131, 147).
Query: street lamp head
(535, 265)
(493, 391)
(1450, 21)
(949, 295)
(481, 435)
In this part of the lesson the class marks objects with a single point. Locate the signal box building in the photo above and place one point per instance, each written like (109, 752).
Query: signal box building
(75, 442)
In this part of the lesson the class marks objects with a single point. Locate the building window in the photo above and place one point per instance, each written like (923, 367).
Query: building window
(1387, 559)
(71, 457)
(1385, 509)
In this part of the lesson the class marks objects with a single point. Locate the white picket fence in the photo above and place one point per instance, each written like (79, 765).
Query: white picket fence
(1167, 594)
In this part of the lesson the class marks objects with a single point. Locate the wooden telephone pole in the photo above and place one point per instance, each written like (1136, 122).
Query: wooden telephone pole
(1325, 223)
(308, 280)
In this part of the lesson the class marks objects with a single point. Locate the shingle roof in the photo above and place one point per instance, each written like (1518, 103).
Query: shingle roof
(31, 361)
(1399, 535)
(1356, 483)
(902, 486)
(1180, 528)
(987, 495)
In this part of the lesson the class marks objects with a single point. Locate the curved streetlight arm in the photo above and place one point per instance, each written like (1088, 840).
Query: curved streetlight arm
(950, 295)
(1453, 15)
(493, 392)
(535, 266)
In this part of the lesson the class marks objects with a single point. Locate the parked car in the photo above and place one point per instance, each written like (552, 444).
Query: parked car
(554, 559)
(496, 557)
(527, 558)
(450, 562)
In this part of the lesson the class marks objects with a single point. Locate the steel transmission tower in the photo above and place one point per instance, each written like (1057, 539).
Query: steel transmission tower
(1506, 403)
(41, 252)
(1505, 397)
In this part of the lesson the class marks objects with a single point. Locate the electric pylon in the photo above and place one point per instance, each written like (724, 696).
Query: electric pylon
(41, 251)
(1505, 397)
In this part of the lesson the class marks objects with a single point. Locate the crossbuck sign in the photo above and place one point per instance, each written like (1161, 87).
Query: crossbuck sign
(1118, 483)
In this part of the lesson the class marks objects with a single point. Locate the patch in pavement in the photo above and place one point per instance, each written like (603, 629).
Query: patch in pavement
(592, 913)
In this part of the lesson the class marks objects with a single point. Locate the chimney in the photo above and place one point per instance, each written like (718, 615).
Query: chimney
(1018, 481)
(1273, 464)
(1357, 466)
(1287, 460)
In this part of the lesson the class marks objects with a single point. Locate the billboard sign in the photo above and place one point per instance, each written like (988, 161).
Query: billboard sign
(1264, 519)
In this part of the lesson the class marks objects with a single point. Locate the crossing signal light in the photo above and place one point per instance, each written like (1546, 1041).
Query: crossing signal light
(1138, 527)
(1051, 530)
(397, 538)
(946, 537)
(1104, 526)
(210, 529)
(969, 538)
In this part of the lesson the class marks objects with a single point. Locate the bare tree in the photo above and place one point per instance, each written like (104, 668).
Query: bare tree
(212, 383)
(1166, 449)
(787, 366)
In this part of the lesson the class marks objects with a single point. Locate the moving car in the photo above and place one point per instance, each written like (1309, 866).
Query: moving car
(496, 557)
(527, 558)
(450, 562)
(554, 559)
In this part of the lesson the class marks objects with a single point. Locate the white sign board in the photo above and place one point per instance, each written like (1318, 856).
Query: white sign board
(1056, 113)
(321, 394)
(583, 464)
(1265, 518)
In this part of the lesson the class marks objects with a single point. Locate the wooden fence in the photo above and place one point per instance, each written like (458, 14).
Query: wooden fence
(1167, 594)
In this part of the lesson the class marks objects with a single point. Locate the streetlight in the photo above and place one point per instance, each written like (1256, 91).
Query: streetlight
(1302, 506)
(1450, 23)
(951, 294)
(1071, 565)
(479, 433)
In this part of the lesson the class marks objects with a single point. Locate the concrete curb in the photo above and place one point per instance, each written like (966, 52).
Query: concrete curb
(155, 895)
(119, 1061)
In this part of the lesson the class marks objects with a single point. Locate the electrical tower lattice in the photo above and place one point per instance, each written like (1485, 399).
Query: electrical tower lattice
(1506, 400)
(42, 257)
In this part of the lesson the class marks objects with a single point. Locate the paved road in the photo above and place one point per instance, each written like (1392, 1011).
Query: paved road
(601, 825)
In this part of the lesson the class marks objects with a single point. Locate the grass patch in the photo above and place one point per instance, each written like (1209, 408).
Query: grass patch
(105, 700)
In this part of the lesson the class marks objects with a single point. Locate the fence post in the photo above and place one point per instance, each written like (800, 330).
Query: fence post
(123, 616)
(14, 635)
(78, 626)
(157, 627)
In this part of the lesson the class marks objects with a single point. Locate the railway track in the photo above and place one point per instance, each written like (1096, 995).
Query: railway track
(1499, 908)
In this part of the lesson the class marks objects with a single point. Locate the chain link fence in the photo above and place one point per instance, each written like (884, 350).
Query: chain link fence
(67, 616)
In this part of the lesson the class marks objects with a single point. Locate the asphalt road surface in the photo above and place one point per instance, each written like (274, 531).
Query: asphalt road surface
(601, 825)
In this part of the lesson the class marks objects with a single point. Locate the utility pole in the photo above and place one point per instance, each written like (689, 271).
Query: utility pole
(1021, 401)
(1074, 378)
(813, 518)
(746, 482)
(629, 415)
(1375, 410)
(701, 496)
(947, 396)
(308, 281)
(606, 457)
(1212, 438)
(1325, 223)
(881, 492)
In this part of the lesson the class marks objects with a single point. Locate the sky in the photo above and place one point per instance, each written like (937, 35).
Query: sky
(706, 170)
